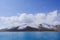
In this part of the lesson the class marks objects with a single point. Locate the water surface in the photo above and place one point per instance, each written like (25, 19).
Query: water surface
(29, 35)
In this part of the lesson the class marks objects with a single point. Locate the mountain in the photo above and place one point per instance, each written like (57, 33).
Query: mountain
(42, 28)
(57, 27)
(29, 28)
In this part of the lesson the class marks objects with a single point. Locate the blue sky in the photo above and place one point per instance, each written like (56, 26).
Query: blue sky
(13, 7)
(30, 12)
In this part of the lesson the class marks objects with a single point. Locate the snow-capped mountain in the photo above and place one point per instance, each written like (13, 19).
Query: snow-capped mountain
(41, 27)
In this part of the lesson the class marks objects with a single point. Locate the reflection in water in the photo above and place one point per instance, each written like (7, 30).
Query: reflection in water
(29, 35)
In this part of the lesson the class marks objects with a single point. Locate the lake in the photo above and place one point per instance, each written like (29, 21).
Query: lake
(29, 35)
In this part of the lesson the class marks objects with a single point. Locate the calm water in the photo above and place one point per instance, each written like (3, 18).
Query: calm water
(29, 36)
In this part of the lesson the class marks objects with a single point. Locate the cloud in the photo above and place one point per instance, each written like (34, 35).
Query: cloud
(30, 19)
(51, 17)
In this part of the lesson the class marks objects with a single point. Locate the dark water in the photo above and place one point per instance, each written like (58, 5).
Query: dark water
(29, 35)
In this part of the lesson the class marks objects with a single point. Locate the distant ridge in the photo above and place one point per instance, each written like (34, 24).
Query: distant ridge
(29, 28)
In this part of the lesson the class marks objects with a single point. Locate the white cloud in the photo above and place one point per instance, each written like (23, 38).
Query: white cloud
(51, 17)
(30, 19)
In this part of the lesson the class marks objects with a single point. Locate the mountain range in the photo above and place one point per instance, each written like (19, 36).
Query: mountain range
(29, 28)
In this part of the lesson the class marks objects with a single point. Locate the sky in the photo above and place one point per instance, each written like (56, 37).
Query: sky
(14, 7)
(31, 12)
